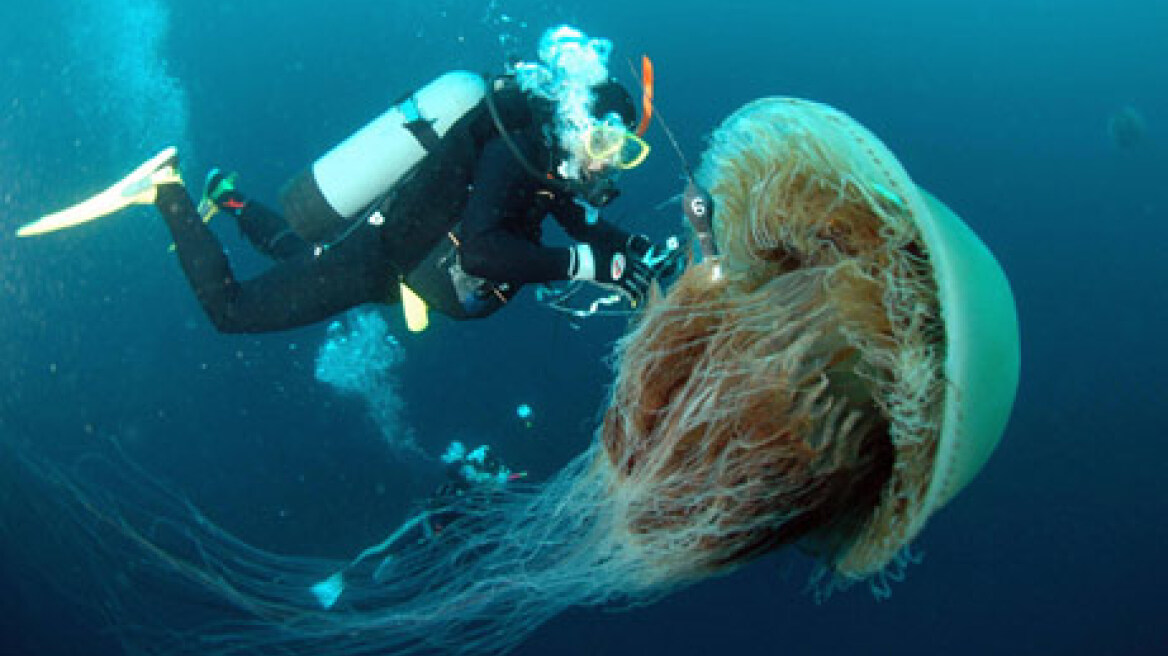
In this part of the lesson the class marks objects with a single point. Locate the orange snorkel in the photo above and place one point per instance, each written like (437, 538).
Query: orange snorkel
(646, 95)
(696, 202)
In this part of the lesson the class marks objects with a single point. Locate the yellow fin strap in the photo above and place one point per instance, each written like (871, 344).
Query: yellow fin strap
(414, 308)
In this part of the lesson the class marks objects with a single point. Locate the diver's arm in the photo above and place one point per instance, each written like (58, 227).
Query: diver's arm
(607, 255)
(572, 217)
(293, 293)
(491, 248)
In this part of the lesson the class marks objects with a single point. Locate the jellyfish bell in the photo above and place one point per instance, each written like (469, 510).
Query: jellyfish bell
(850, 372)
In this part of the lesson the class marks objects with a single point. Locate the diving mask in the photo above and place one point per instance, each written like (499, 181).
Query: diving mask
(610, 143)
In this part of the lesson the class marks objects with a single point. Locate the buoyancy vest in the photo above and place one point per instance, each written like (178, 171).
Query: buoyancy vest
(409, 171)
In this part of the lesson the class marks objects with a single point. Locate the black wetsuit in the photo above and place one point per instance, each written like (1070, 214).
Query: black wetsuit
(496, 228)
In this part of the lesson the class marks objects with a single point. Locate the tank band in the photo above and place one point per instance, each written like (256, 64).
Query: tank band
(421, 128)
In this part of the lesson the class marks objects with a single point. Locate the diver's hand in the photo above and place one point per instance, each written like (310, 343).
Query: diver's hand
(634, 281)
(617, 269)
(663, 260)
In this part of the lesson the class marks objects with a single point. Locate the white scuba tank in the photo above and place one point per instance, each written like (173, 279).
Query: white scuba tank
(320, 200)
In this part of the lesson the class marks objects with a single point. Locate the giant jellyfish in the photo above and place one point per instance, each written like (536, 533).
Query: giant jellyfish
(830, 380)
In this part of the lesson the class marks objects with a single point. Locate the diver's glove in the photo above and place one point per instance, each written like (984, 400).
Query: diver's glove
(629, 270)
(663, 260)
(614, 269)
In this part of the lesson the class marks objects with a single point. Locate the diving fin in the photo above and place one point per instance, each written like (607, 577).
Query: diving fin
(137, 188)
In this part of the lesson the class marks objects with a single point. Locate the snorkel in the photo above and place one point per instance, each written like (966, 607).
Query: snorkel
(696, 202)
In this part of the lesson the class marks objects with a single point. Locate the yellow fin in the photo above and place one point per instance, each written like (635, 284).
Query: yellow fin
(137, 188)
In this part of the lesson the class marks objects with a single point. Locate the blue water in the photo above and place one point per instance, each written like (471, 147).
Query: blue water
(1000, 107)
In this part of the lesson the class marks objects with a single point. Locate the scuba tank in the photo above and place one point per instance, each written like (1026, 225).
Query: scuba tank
(409, 171)
(321, 201)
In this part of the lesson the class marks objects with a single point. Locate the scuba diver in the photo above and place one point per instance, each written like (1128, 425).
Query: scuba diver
(475, 479)
(438, 203)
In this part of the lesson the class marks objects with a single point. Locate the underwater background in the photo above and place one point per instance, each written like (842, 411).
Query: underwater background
(1042, 123)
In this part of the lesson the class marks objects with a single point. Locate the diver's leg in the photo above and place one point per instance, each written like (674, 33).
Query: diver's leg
(266, 230)
(199, 252)
(296, 292)
(269, 233)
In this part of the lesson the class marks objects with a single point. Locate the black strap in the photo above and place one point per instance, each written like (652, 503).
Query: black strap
(424, 132)
(421, 127)
(514, 148)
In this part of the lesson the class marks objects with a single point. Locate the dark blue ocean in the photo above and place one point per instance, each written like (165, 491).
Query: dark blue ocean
(1003, 108)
